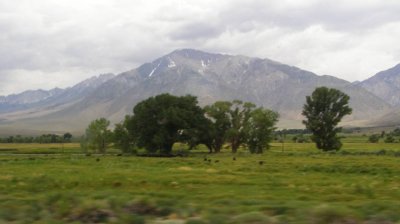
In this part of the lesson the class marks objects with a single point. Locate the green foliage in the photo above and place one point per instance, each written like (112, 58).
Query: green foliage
(240, 122)
(240, 114)
(389, 139)
(97, 136)
(67, 137)
(323, 110)
(396, 132)
(160, 121)
(374, 138)
(300, 138)
(121, 137)
(259, 129)
(44, 138)
(221, 122)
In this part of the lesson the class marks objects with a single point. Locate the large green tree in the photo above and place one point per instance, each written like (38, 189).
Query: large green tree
(259, 129)
(67, 137)
(240, 123)
(240, 114)
(160, 121)
(219, 115)
(122, 139)
(97, 136)
(323, 110)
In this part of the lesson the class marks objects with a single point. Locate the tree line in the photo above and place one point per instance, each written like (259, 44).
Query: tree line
(160, 121)
(390, 137)
(45, 138)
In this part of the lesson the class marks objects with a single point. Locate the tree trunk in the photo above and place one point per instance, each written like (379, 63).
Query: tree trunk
(217, 147)
(210, 148)
(167, 148)
(235, 145)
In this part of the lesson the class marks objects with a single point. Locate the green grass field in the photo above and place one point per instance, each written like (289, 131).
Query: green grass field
(290, 184)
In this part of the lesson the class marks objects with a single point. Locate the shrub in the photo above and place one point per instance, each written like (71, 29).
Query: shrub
(389, 139)
(374, 138)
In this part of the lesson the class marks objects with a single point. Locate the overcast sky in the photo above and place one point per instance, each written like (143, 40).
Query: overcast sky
(49, 43)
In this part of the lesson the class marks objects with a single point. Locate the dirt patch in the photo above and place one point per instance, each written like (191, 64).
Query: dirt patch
(92, 216)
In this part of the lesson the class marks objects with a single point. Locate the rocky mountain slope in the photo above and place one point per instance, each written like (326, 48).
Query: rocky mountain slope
(386, 85)
(209, 76)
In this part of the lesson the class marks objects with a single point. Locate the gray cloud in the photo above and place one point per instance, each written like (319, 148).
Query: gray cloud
(334, 14)
(196, 30)
(48, 43)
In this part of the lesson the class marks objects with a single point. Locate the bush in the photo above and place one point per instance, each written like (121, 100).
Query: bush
(374, 138)
(389, 139)
(300, 139)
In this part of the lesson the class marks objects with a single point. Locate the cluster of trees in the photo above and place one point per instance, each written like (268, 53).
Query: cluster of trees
(293, 132)
(159, 122)
(300, 138)
(391, 137)
(45, 138)
(97, 135)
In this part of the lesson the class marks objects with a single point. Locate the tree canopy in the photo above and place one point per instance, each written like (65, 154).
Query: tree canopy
(160, 121)
(260, 127)
(240, 123)
(323, 110)
(122, 138)
(219, 115)
(98, 137)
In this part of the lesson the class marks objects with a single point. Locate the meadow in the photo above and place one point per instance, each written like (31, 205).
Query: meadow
(290, 183)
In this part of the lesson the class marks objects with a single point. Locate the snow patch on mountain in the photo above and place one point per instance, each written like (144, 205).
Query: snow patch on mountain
(152, 71)
(171, 63)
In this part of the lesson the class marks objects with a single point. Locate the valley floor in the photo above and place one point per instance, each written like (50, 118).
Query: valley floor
(290, 184)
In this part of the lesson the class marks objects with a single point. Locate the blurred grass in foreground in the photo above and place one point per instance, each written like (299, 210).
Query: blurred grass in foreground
(298, 185)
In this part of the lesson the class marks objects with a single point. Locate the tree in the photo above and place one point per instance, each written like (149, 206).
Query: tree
(240, 114)
(160, 121)
(260, 129)
(389, 139)
(236, 122)
(300, 138)
(121, 137)
(67, 137)
(98, 137)
(373, 138)
(324, 109)
(219, 114)
(396, 132)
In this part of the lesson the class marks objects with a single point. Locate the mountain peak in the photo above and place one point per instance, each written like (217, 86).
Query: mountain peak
(386, 85)
(192, 54)
(389, 73)
(209, 76)
(188, 51)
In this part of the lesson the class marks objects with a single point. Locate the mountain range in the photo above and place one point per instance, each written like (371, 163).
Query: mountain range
(208, 76)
